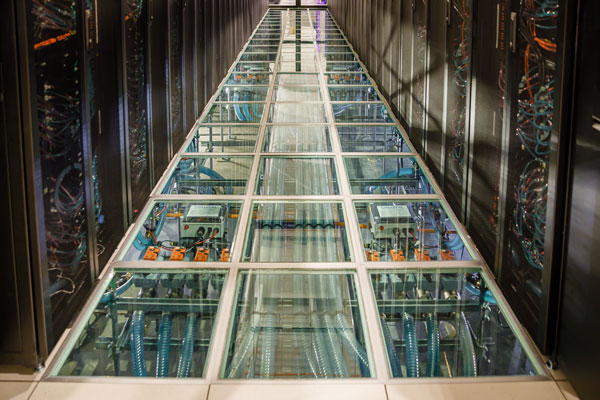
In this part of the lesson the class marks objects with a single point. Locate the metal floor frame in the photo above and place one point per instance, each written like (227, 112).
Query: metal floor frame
(358, 263)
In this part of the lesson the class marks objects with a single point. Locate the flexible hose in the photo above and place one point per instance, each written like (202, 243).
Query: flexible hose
(395, 363)
(487, 296)
(164, 345)
(107, 296)
(348, 338)
(466, 346)
(184, 366)
(137, 344)
(433, 345)
(302, 338)
(410, 343)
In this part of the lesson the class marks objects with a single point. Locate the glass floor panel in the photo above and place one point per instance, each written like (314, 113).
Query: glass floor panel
(405, 230)
(300, 271)
(353, 93)
(297, 113)
(252, 79)
(372, 138)
(437, 323)
(254, 68)
(361, 113)
(186, 231)
(258, 57)
(340, 67)
(210, 175)
(297, 93)
(297, 139)
(224, 139)
(274, 48)
(342, 77)
(260, 42)
(148, 322)
(306, 64)
(280, 176)
(297, 232)
(386, 175)
(241, 113)
(297, 325)
(297, 79)
(243, 93)
(297, 47)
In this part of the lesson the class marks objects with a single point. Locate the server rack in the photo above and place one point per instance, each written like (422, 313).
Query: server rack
(90, 134)
(528, 269)
(477, 130)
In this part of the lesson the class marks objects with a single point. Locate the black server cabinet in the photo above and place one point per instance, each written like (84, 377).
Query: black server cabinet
(435, 80)
(458, 85)
(190, 113)
(580, 308)
(57, 41)
(418, 73)
(487, 126)
(136, 73)
(19, 343)
(175, 74)
(406, 28)
(103, 87)
(528, 267)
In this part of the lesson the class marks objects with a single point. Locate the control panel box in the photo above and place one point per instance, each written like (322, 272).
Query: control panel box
(392, 221)
(200, 221)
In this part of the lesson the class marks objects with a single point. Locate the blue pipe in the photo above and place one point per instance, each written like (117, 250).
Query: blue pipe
(392, 174)
(109, 295)
(487, 296)
(466, 347)
(433, 346)
(164, 345)
(395, 363)
(412, 349)
(137, 344)
(236, 107)
(184, 366)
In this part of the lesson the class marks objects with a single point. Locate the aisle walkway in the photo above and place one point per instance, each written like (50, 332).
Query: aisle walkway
(296, 237)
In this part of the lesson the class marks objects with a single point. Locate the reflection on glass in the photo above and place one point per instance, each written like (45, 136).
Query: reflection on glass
(209, 175)
(155, 323)
(297, 232)
(263, 49)
(297, 79)
(361, 113)
(186, 231)
(304, 325)
(258, 56)
(297, 139)
(298, 112)
(241, 113)
(343, 77)
(386, 175)
(372, 138)
(243, 93)
(253, 68)
(297, 93)
(297, 176)
(224, 139)
(340, 67)
(353, 93)
(249, 78)
(438, 323)
(403, 230)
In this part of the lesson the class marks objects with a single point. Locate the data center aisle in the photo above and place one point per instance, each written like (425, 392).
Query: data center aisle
(297, 246)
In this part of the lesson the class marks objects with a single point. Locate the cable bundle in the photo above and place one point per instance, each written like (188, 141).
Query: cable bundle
(537, 27)
(461, 62)
(136, 87)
